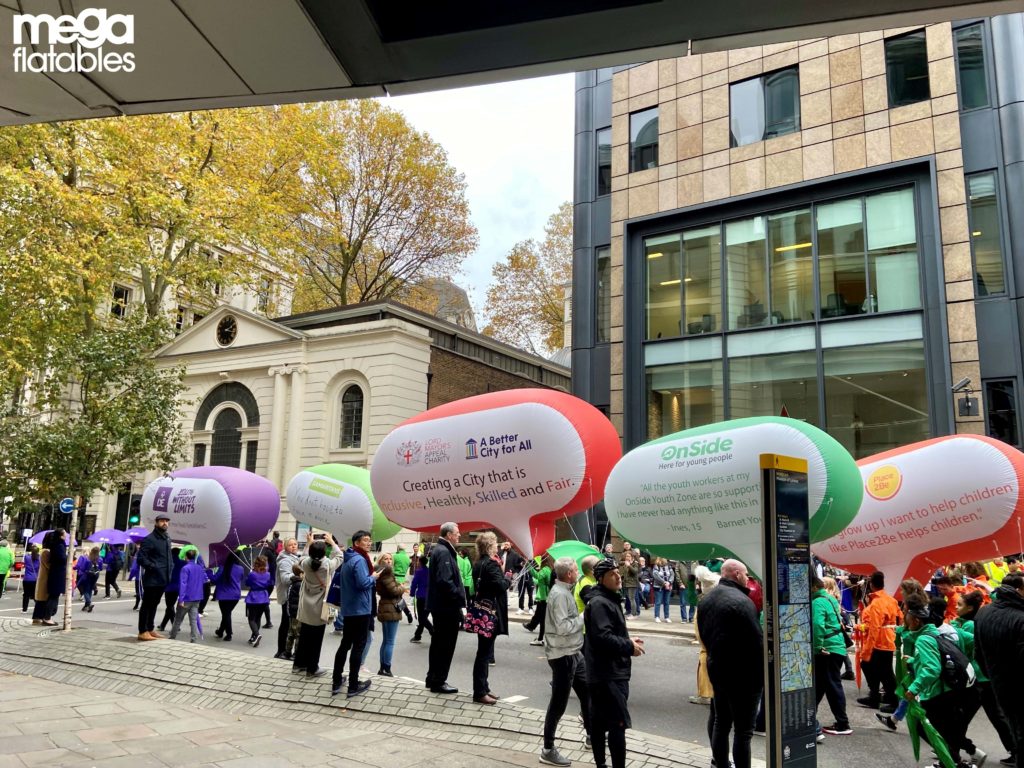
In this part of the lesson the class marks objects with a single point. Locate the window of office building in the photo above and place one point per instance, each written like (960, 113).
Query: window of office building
(970, 64)
(1001, 411)
(842, 268)
(893, 276)
(664, 260)
(986, 247)
(791, 257)
(683, 396)
(603, 294)
(747, 275)
(643, 140)
(764, 107)
(604, 162)
(774, 385)
(702, 280)
(906, 69)
(876, 396)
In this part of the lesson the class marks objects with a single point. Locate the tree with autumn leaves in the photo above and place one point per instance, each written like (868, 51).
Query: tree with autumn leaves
(526, 300)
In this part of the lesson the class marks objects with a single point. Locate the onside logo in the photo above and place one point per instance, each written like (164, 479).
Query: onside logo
(36, 37)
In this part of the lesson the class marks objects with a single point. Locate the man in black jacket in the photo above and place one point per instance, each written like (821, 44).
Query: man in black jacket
(609, 652)
(157, 565)
(446, 603)
(998, 632)
(732, 635)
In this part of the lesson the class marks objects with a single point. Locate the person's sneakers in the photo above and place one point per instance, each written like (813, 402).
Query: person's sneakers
(1009, 760)
(820, 738)
(528, 628)
(279, 655)
(536, 642)
(415, 640)
(268, 625)
(336, 688)
(363, 687)
(847, 676)
(553, 757)
(520, 611)
(297, 670)
(218, 632)
(256, 641)
(705, 700)
(318, 673)
(668, 620)
(869, 702)
(657, 620)
(837, 730)
(886, 720)
(978, 757)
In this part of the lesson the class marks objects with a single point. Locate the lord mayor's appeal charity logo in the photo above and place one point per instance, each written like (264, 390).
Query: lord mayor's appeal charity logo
(45, 44)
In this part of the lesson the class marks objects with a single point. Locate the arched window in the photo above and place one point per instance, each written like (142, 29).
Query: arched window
(351, 432)
(226, 448)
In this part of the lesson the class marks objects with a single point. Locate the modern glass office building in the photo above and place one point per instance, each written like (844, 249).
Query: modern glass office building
(826, 229)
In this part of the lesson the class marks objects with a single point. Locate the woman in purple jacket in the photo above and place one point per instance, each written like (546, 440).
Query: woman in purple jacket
(88, 567)
(227, 592)
(190, 593)
(257, 602)
(30, 574)
(418, 589)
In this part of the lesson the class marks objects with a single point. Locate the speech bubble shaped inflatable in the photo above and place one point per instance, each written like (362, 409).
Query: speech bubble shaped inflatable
(210, 506)
(928, 504)
(338, 498)
(515, 460)
(696, 494)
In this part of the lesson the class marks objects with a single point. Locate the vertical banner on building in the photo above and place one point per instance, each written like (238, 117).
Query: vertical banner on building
(789, 655)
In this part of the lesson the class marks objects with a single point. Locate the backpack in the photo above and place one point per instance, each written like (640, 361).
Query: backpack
(957, 671)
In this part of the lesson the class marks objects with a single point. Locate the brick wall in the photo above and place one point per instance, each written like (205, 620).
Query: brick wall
(455, 377)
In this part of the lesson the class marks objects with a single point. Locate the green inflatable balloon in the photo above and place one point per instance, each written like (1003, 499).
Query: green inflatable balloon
(338, 498)
(696, 494)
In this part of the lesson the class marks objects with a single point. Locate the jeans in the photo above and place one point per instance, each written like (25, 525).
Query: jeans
(661, 598)
(87, 591)
(192, 609)
(567, 673)
(735, 710)
(484, 651)
(388, 631)
(828, 669)
(638, 597)
(353, 643)
(151, 597)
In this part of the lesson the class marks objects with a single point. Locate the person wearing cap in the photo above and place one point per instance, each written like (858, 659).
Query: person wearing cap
(608, 652)
(157, 564)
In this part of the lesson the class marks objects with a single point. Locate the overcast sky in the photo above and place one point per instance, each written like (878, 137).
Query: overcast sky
(514, 143)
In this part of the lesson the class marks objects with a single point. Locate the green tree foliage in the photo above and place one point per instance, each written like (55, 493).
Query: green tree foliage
(526, 300)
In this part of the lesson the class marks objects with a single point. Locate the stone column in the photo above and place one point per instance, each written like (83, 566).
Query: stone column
(294, 445)
(277, 436)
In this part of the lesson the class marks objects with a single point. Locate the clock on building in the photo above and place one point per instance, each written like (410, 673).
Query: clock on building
(227, 329)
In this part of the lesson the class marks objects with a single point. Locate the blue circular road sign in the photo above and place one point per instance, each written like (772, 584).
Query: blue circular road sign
(67, 505)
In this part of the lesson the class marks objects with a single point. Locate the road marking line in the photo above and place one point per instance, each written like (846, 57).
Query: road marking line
(514, 699)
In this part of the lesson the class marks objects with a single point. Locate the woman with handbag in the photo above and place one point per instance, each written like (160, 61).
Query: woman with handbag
(389, 610)
(487, 615)
(314, 613)
(829, 652)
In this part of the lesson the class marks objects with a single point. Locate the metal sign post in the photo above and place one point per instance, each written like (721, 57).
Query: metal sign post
(72, 530)
(790, 703)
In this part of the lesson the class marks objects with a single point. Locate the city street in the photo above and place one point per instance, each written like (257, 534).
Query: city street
(662, 682)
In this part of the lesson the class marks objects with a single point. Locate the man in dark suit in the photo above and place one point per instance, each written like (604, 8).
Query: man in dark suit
(446, 602)
(157, 565)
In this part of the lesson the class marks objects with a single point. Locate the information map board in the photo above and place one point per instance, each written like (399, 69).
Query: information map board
(789, 663)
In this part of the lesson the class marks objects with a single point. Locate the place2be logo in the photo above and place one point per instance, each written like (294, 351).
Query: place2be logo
(86, 34)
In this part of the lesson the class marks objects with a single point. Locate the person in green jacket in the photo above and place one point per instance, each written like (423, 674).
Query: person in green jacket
(941, 703)
(829, 654)
(540, 598)
(6, 563)
(967, 607)
(465, 570)
(401, 566)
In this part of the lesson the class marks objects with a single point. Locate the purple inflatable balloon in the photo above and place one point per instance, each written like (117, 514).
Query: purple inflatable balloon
(215, 508)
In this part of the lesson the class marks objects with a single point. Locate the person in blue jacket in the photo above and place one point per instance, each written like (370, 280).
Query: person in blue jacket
(113, 562)
(29, 576)
(88, 567)
(257, 602)
(190, 593)
(418, 590)
(171, 590)
(227, 592)
(358, 580)
(134, 575)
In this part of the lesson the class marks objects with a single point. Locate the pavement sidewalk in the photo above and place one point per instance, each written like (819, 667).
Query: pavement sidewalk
(100, 696)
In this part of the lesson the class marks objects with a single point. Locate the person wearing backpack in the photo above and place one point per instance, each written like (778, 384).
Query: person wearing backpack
(998, 629)
(941, 673)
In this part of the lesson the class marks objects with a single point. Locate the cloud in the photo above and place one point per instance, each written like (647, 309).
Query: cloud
(514, 143)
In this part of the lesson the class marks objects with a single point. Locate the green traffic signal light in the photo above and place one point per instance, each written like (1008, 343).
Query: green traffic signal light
(133, 520)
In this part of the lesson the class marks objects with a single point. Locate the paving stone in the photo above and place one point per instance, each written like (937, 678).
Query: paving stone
(18, 745)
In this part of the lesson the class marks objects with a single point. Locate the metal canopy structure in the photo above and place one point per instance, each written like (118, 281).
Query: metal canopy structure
(206, 54)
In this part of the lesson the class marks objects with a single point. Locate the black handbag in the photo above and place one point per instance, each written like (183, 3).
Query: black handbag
(846, 633)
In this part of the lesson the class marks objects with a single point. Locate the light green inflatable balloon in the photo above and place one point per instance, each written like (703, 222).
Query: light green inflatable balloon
(338, 498)
(696, 494)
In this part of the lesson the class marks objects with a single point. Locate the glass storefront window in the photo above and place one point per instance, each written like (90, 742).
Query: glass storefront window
(663, 258)
(841, 266)
(775, 385)
(702, 280)
(748, 283)
(892, 250)
(983, 208)
(792, 272)
(683, 396)
(876, 396)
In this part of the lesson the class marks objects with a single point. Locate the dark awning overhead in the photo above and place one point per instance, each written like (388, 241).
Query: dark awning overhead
(223, 53)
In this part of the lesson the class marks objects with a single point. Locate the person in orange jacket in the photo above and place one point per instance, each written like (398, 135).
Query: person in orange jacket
(879, 620)
(950, 588)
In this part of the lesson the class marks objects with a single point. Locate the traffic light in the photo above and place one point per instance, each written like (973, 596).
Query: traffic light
(133, 513)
